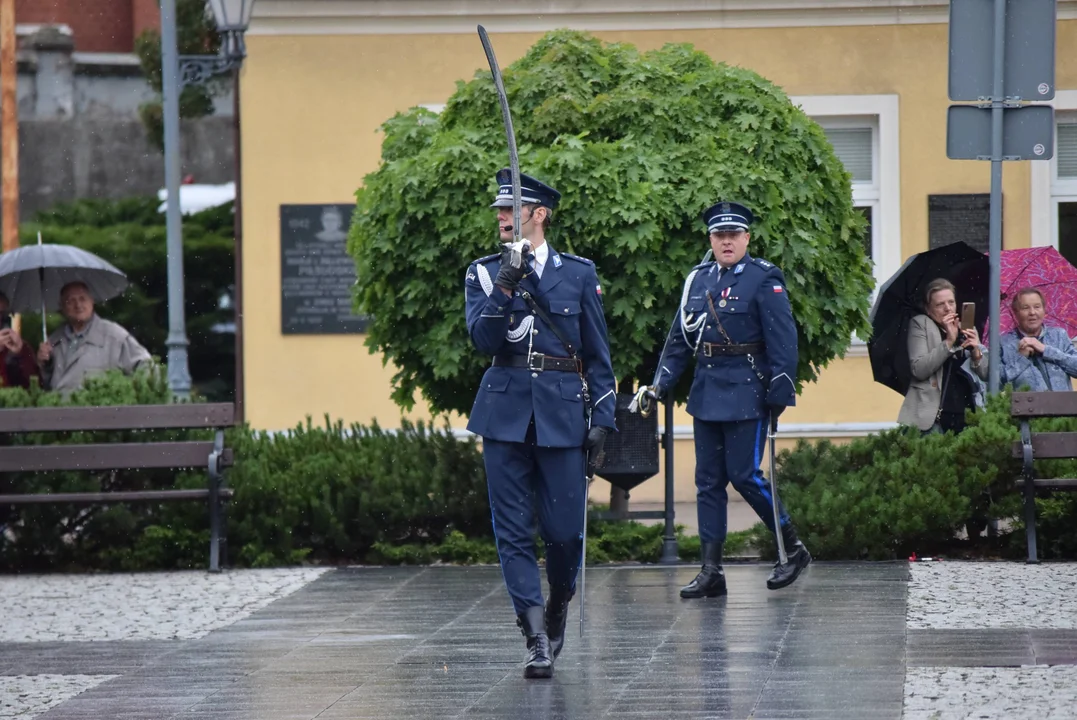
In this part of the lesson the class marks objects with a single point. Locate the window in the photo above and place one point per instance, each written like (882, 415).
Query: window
(854, 141)
(1053, 187)
(1064, 188)
(863, 129)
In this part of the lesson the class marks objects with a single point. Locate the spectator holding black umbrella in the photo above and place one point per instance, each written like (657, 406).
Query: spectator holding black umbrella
(941, 387)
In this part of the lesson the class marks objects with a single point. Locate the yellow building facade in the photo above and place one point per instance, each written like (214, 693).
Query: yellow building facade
(322, 75)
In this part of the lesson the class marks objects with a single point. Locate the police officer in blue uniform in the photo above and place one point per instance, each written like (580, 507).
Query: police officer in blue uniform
(735, 319)
(545, 405)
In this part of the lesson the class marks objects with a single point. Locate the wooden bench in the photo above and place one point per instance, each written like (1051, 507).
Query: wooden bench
(1042, 446)
(209, 454)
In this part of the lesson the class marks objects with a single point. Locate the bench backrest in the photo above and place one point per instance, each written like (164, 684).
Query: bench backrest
(120, 417)
(1046, 445)
(1043, 404)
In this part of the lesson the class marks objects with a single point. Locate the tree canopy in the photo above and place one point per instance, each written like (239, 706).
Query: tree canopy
(639, 144)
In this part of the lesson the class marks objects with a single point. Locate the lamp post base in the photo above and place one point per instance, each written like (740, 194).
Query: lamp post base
(179, 377)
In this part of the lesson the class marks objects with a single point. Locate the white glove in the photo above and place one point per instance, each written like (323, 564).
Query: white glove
(644, 399)
(520, 249)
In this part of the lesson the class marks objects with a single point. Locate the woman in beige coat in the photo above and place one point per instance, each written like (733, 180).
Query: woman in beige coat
(941, 388)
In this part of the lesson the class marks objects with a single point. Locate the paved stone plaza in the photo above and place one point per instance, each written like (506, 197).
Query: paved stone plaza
(888, 640)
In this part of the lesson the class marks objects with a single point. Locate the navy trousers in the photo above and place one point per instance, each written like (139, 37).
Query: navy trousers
(524, 480)
(731, 452)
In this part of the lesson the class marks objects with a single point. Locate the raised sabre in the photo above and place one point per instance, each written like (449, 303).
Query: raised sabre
(514, 167)
(510, 134)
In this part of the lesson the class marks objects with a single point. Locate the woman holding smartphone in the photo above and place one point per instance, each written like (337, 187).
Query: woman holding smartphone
(942, 388)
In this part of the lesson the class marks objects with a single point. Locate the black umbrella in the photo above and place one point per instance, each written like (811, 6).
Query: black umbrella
(902, 297)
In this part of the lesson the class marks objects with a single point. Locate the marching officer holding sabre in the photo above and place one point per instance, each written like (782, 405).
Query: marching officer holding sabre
(735, 318)
(545, 405)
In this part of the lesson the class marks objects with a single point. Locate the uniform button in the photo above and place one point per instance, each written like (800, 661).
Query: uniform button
(534, 332)
(577, 396)
(535, 375)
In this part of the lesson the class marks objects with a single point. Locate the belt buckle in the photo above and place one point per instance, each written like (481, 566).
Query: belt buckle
(707, 349)
(541, 362)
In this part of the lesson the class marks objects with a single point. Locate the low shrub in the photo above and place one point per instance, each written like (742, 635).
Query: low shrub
(888, 495)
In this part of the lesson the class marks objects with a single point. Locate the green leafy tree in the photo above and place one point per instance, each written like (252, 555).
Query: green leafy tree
(639, 144)
(196, 34)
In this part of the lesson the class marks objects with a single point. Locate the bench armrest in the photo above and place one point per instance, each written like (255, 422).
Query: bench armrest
(1027, 472)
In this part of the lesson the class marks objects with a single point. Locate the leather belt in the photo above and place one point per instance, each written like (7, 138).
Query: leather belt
(714, 349)
(538, 363)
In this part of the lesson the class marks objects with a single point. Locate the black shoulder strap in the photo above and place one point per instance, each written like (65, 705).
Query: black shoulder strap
(587, 409)
(546, 319)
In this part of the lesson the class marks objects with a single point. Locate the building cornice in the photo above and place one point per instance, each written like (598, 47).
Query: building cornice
(395, 17)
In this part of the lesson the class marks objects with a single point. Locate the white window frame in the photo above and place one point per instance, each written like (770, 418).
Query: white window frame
(865, 194)
(883, 194)
(1046, 190)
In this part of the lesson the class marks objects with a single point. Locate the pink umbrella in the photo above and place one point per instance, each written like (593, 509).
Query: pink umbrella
(1043, 268)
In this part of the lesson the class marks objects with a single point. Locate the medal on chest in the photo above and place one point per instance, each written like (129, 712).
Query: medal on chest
(725, 295)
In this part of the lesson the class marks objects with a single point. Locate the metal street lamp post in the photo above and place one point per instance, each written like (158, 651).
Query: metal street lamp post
(232, 17)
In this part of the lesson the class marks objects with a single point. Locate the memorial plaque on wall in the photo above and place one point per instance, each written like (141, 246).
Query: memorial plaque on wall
(953, 218)
(317, 274)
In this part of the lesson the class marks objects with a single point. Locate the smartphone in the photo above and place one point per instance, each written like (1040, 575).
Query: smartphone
(968, 316)
(5, 321)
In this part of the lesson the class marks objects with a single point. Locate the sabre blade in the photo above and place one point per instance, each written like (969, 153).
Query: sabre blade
(510, 134)
(771, 433)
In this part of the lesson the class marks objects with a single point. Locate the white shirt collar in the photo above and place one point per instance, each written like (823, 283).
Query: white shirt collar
(542, 252)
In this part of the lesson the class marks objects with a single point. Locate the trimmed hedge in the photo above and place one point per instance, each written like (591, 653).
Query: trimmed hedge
(325, 493)
(331, 493)
(889, 495)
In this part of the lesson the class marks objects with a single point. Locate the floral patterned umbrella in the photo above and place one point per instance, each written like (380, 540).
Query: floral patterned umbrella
(1046, 269)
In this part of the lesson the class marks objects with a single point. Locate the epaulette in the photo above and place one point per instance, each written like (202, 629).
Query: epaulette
(486, 259)
(765, 264)
(703, 265)
(577, 258)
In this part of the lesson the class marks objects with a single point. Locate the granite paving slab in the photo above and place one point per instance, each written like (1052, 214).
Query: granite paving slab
(991, 693)
(972, 595)
(137, 606)
(442, 642)
(848, 640)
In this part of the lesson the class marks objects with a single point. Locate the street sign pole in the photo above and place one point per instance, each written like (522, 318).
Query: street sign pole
(1002, 55)
(995, 232)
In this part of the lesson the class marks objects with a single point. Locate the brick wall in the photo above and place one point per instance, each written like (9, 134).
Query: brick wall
(145, 15)
(98, 25)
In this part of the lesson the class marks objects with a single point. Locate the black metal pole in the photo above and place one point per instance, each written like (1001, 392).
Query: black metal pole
(669, 539)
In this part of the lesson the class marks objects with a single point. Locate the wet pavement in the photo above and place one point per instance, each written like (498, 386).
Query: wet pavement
(441, 642)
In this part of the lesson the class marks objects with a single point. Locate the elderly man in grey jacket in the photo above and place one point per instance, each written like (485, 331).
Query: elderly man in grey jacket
(1034, 354)
(86, 345)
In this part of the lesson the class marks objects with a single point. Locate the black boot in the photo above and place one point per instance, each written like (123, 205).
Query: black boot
(710, 582)
(798, 557)
(557, 619)
(532, 623)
